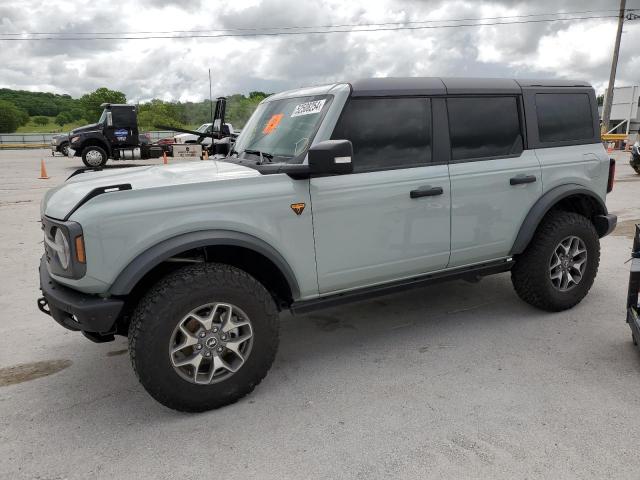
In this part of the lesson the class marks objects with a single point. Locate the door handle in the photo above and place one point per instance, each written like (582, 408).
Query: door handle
(520, 179)
(426, 191)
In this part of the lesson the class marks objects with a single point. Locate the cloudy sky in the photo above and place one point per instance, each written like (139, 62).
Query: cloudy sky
(177, 68)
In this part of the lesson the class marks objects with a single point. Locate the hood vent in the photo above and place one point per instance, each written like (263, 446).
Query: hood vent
(98, 191)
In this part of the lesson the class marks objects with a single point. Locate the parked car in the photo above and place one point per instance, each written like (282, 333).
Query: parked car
(192, 138)
(166, 141)
(330, 194)
(60, 144)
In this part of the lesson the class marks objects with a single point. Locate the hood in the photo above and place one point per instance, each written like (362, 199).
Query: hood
(85, 128)
(59, 201)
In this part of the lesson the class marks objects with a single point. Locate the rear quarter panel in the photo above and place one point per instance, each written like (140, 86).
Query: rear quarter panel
(585, 165)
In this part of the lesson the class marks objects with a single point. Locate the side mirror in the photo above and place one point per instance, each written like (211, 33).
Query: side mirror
(109, 119)
(331, 157)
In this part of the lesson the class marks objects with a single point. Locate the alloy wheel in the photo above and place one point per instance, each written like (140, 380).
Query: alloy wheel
(211, 343)
(568, 263)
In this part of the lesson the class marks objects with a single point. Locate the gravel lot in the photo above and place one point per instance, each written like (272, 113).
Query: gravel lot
(457, 380)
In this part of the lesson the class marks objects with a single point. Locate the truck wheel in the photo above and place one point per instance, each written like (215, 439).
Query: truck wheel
(94, 156)
(203, 337)
(636, 168)
(64, 149)
(559, 266)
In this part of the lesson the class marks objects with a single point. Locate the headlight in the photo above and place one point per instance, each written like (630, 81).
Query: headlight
(75, 139)
(61, 246)
(64, 248)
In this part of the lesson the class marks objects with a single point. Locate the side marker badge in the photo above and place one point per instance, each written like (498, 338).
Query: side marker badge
(298, 208)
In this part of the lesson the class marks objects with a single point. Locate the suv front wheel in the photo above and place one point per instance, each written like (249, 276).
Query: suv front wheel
(559, 266)
(203, 337)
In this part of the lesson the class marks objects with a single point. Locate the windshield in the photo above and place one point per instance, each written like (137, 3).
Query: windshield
(205, 127)
(103, 117)
(282, 128)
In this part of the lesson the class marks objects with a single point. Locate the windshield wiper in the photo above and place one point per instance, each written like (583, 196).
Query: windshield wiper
(263, 155)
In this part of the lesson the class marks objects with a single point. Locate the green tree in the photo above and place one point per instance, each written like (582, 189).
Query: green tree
(91, 101)
(22, 116)
(9, 117)
(40, 120)
(63, 118)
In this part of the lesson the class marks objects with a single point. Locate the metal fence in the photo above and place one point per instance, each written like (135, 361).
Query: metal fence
(39, 140)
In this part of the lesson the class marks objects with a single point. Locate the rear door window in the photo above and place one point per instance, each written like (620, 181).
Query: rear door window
(564, 116)
(484, 127)
(387, 133)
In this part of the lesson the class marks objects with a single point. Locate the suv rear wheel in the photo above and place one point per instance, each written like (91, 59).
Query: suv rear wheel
(203, 337)
(93, 156)
(559, 266)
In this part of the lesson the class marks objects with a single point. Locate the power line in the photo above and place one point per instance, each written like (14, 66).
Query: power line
(316, 32)
(253, 29)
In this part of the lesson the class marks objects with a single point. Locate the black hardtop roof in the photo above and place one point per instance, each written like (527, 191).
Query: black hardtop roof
(381, 87)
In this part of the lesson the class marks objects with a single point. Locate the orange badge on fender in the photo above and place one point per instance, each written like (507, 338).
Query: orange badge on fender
(298, 208)
(273, 122)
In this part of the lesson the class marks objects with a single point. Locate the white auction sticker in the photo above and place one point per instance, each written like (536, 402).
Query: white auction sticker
(308, 108)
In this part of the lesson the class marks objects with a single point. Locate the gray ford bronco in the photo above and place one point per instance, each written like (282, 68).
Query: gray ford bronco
(330, 194)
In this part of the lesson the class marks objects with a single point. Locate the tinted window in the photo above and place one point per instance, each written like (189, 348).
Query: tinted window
(123, 117)
(484, 127)
(564, 117)
(387, 132)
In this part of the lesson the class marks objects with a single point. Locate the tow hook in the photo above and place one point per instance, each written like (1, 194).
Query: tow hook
(43, 306)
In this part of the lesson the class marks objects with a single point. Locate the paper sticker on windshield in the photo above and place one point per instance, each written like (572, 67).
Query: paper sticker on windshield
(308, 108)
(273, 122)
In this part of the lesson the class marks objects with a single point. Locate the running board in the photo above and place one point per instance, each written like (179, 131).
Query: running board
(366, 293)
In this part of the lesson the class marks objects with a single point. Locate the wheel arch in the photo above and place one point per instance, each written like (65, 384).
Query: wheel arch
(572, 198)
(238, 249)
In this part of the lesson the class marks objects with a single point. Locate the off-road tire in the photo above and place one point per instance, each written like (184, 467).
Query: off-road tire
(64, 149)
(167, 302)
(88, 151)
(530, 274)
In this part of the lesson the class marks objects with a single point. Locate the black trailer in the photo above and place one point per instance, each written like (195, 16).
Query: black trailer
(633, 317)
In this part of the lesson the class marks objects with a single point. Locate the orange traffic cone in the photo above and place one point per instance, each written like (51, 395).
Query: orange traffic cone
(165, 160)
(43, 171)
(206, 155)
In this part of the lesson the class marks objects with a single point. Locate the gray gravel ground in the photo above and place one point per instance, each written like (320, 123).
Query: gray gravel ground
(456, 380)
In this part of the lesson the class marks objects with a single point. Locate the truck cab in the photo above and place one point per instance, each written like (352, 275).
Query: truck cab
(115, 136)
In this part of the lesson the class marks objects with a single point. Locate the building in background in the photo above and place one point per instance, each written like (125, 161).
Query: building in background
(624, 111)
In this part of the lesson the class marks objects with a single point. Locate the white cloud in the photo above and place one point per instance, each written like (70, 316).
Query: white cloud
(177, 68)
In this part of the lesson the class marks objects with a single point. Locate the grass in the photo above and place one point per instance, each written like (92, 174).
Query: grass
(50, 127)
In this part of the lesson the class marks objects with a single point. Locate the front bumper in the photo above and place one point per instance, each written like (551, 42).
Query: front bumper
(94, 316)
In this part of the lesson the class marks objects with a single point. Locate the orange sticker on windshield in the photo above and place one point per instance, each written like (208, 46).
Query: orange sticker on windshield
(273, 122)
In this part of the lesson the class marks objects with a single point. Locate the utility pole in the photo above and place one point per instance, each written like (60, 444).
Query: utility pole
(608, 99)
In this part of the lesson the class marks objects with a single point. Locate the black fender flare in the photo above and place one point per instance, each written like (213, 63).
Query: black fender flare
(147, 260)
(544, 204)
